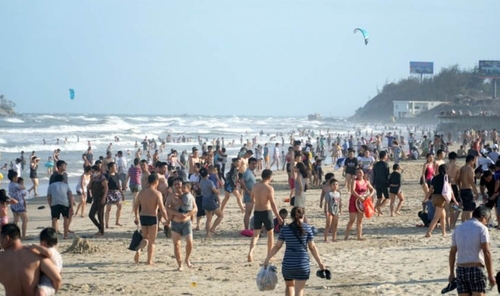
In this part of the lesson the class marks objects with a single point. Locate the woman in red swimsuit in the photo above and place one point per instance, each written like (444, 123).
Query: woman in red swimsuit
(360, 191)
(427, 173)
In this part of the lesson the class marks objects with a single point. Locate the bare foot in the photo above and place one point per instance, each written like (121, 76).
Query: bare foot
(150, 263)
(196, 229)
(179, 268)
(361, 238)
(136, 256)
(107, 226)
(70, 231)
(188, 263)
(118, 224)
(249, 258)
(82, 215)
(346, 238)
(242, 211)
(427, 235)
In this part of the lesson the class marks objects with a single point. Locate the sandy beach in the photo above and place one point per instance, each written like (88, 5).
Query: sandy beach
(395, 259)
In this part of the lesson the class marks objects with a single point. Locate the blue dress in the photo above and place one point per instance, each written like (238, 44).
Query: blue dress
(296, 262)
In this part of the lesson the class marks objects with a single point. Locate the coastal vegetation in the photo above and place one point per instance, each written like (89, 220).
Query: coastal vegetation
(460, 89)
(6, 106)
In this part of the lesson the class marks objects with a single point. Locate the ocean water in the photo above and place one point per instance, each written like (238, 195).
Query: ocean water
(26, 132)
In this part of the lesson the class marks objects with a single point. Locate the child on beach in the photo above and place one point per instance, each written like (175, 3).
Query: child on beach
(395, 189)
(4, 202)
(277, 226)
(50, 166)
(333, 207)
(47, 248)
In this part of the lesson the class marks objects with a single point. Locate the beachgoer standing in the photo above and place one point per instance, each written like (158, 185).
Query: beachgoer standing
(34, 174)
(146, 206)
(61, 202)
(262, 197)
(467, 185)
(19, 209)
(134, 178)
(296, 262)
(99, 188)
(381, 180)
(82, 190)
(114, 195)
(24, 267)
(470, 250)
(247, 182)
(395, 189)
(276, 157)
(350, 166)
(122, 166)
(230, 185)
(360, 191)
(333, 208)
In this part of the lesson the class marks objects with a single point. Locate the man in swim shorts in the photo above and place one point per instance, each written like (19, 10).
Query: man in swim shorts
(468, 190)
(148, 202)
(381, 180)
(180, 223)
(262, 197)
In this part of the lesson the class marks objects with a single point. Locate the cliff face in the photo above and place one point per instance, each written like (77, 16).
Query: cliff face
(6, 107)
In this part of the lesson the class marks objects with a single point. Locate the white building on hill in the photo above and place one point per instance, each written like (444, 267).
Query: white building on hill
(408, 109)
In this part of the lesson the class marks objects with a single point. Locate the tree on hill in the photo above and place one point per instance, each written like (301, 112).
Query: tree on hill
(445, 86)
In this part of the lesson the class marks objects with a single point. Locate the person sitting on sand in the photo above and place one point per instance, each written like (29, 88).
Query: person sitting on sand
(262, 196)
(146, 206)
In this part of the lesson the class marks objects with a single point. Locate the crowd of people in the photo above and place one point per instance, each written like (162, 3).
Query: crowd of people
(182, 191)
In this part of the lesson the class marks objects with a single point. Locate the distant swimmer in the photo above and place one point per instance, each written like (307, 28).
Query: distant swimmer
(44, 142)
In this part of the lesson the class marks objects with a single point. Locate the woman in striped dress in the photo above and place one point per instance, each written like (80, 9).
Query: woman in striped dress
(296, 262)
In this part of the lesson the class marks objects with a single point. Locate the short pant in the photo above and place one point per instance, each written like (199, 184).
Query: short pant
(467, 200)
(382, 190)
(182, 228)
(438, 200)
(135, 188)
(58, 210)
(246, 198)
(454, 187)
(148, 220)
(228, 188)
(395, 189)
(470, 280)
(291, 183)
(263, 217)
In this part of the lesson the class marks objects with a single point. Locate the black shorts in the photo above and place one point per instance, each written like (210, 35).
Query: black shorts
(288, 167)
(394, 189)
(467, 200)
(199, 204)
(382, 190)
(148, 220)
(263, 217)
(58, 210)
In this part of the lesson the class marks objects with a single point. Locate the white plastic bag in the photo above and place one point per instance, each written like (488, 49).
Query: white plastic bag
(267, 278)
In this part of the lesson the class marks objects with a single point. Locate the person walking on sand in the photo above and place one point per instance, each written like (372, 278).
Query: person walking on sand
(262, 197)
(82, 191)
(99, 188)
(210, 202)
(333, 208)
(146, 206)
(470, 250)
(247, 182)
(296, 262)
(115, 195)
(395, 189)
(360, 191)
(452, 169)
(381, 181)
(467, 185)
(230, 185)
(181, 224)
(133, 179)
(61, 202)
(435, 193)
(34, 174)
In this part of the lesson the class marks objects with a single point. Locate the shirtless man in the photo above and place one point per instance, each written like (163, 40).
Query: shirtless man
(161, 170)
(276, 157)
(149, 201)
(452, 170)
(180, 223)
(107, 160)
(192, 159)
(144, 173)
(263, 200)
(24, 266)
(244, 161)
(465, 181)
(325, 188)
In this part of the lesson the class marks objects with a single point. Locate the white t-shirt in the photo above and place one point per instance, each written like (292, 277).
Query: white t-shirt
(121, 164)
(44, 280)
(484, 163)
(468, 238)
(366, 162)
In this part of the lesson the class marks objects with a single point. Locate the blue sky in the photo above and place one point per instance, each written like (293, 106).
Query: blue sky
(231, 57)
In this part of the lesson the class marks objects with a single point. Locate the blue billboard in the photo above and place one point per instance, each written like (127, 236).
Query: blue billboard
(421, 68)
(489, 68)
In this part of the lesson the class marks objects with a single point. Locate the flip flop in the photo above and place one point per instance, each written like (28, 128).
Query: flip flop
(451, 286)
(41, 207)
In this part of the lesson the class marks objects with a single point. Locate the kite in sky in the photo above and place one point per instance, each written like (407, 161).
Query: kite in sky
(365, 34)
(71, 93)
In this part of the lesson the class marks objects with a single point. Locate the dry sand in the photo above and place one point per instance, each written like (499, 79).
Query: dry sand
(395, 259)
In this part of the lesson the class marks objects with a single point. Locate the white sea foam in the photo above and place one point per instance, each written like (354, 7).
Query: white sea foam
(13, 120)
